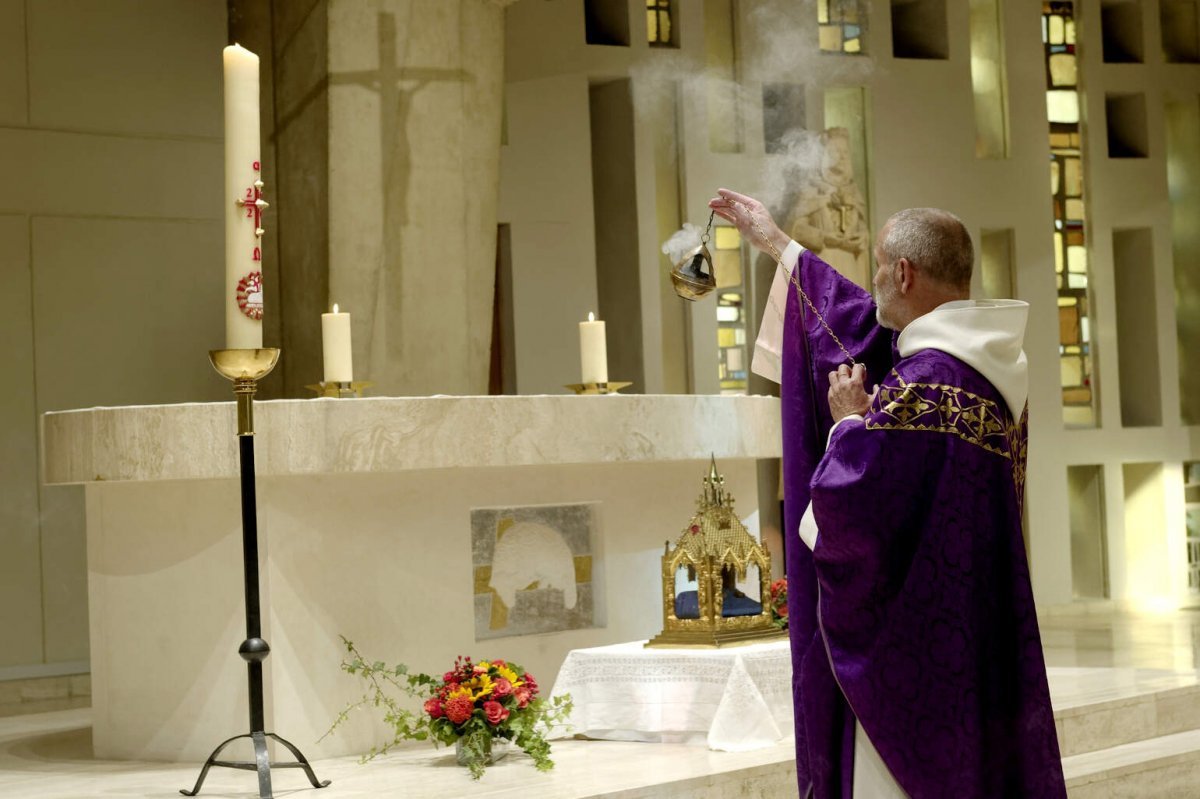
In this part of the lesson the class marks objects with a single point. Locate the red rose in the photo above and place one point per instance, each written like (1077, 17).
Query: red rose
(450, 676)
(494, 712)
(501, 688)
(459, 709)
(531, 683)
(434, 708)
(498, 663)
(523, 696)
(781, 610)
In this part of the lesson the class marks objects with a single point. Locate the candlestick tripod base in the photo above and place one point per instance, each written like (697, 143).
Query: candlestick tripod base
(598, 388)
(245, 367)
(339, 389)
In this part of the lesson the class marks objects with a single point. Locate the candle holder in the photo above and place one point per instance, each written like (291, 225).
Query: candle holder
(245, 367)
(597, 388)
(339, 389)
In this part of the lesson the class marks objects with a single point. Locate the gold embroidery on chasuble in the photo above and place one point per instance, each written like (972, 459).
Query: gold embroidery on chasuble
(937, 408)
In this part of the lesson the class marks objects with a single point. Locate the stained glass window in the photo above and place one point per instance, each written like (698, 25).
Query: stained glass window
(1070, 211)
(658, 23)
(841, 26)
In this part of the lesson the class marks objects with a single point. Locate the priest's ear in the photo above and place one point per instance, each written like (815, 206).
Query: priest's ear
(905, 274)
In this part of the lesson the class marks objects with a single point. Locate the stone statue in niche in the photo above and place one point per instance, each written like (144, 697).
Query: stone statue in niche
(829, 215)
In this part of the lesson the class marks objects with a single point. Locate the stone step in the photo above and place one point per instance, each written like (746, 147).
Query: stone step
(1164, 767)
(1098, 709)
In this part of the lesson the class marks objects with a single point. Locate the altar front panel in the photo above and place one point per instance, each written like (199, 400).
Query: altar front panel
(383, 559)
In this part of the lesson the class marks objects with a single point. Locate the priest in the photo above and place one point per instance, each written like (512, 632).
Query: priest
(917, 661)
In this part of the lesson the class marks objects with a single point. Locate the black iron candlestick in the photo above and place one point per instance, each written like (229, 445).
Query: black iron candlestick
(245, 367)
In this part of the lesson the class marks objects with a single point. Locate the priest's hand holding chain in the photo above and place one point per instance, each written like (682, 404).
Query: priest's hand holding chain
(847, 394)
(752, 220)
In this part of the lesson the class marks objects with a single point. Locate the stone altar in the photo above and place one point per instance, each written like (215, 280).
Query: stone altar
(365, 531)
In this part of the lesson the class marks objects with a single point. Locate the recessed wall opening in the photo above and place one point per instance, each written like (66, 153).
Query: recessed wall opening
(614, 195)
(1137, 327)
(783, 111)
(996, 264)
(721, 77)
(606, 22)
(1089, 552)
(1183, 186)
(502, 374)
(919, 29)
(1180, 25)
(1126, 117)
(1150, 562)
(989, 80)
(1121, 30)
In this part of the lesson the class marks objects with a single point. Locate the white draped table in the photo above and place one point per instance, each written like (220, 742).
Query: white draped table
(733, 699)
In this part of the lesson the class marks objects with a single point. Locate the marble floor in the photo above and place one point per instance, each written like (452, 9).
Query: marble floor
(1097, 658)
(1099, 636)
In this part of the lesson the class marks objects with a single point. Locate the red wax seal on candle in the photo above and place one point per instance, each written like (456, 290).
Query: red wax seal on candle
(249, 295)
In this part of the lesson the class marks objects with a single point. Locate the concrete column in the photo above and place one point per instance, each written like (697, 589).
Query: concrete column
(387, 138)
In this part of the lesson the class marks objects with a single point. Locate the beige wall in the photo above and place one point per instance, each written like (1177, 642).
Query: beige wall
(110, 264)
(921, 140)
(110, 232)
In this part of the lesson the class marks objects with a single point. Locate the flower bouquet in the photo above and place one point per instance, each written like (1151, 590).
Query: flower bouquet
(482, 708)
(777, 599)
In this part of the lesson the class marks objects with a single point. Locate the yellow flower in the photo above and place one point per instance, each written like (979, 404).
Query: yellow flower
(480, 685)
(510, 675)
(459, 691)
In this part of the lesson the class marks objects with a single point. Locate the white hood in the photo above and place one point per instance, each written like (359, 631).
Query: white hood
(984, 334)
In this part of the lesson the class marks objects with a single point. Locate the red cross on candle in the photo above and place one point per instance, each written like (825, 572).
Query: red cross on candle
(254, 203)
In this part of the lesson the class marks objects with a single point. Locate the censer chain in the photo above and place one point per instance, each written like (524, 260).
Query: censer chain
(795, 282)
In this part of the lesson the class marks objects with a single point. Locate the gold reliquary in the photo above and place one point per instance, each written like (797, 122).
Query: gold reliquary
(710, 577)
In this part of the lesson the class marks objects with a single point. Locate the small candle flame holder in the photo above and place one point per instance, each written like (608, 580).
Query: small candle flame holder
(338, 389)
(598, 388)
(245, 367)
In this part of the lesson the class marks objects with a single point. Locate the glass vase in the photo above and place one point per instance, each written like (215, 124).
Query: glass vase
(495, 750)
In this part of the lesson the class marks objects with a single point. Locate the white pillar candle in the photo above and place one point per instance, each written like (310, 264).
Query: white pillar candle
(593, 350)
(335, 342)
(243, 169)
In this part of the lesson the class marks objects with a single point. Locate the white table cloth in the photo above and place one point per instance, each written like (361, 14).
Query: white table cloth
(732, 699)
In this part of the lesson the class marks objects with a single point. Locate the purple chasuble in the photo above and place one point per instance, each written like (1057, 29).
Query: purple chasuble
(914, 614)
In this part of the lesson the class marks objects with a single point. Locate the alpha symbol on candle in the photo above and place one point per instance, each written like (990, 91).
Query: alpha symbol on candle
(249, 295)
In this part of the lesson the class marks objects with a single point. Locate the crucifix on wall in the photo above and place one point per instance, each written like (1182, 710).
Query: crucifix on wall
(396, 86)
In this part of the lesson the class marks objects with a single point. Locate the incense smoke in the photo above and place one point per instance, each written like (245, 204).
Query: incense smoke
(784, 51)
(683, 240)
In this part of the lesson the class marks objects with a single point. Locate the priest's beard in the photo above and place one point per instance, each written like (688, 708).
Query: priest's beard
(885, 296)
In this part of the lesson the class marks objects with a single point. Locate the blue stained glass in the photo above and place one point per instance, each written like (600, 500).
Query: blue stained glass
(851, 31)
(1059, 48)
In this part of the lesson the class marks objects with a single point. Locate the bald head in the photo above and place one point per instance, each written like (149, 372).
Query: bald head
(934, 241)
